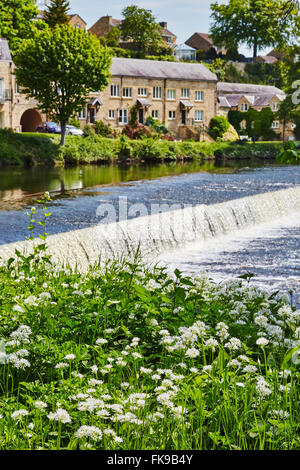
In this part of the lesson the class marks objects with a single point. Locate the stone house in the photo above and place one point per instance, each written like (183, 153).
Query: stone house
(74, 20)
(16, 111)
(180, 95)
(203, 42)
(241, 97)
(106, 23)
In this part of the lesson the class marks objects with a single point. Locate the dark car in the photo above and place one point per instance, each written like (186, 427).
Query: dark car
(49, 128)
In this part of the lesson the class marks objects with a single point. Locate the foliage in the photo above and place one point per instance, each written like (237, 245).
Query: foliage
(230, 135)
(105, 130)
(112, 38)
(290, 153)
(218, 125)
(256, 23)
(218, 67)
(56, 13)
(136, 131)
(156, 125)
(163, 58)
(26, 150)
(17, 20)
(258, 123)
(74, 122)
(127, 357)
(60, 67)
(139, 25)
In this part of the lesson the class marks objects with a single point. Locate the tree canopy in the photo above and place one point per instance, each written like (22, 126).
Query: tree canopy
(16, 20)
(140, 26)
(57, 13)
(60, 67)
(256, 23)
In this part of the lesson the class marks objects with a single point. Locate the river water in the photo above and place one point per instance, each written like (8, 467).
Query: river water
(268, 249)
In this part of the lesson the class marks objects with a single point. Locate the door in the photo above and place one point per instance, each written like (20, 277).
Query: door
(183, 117)
(141, 116)
(92, 115)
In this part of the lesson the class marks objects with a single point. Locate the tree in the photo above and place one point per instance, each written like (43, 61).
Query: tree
(218, 125)
(57, 13)
(112, 38)
(59, 67)
(257, 23)
(139, 25)
(16, 20)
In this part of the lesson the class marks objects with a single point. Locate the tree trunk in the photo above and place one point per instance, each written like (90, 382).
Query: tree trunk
(254, 49)
(63, 133)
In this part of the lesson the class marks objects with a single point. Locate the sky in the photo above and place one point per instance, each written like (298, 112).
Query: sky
(184, 17)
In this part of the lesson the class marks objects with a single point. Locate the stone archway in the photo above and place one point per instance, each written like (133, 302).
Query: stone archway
(30, 120)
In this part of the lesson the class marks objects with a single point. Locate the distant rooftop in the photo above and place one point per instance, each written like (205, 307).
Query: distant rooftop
(247, 88)
(160, 69)
(259, 99)
(4, 51)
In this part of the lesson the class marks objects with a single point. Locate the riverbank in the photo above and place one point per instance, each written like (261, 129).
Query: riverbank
(40, 149)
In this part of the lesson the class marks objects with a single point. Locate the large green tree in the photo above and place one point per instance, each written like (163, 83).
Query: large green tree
(16, 20)
(256, 23)
(140, 26)
(57, 13)
(60, 67)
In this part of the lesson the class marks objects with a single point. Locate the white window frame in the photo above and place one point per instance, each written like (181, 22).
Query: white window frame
(201, 94)
(82, 114)
(172, 114)
(111, 114)
(115, 91)
(275, 125)
(200, 115)
(185, 92)
(157, 92)
(127, 92)
(123, 116)
(154, 113)
(142, 91)
(274, 106)
(171, 94)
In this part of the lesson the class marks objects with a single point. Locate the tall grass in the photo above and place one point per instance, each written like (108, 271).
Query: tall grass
(127, 357)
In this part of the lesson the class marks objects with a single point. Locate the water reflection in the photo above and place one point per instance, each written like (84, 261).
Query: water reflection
(17, 185)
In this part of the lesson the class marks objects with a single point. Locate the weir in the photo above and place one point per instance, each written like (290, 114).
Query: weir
(157, 233)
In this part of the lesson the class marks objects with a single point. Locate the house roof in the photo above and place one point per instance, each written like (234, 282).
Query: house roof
(115, 22)
(4, 51)
(206, 36)
(269, 59)
(246, 88)
(260, 99)
(76, 14)
(161, 69)
(166, 32)
(41, 15)
(184, 47)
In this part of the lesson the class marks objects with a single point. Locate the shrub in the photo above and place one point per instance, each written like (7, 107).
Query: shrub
(74, 122)
(136, 131)
(102, 129)
(218, 126)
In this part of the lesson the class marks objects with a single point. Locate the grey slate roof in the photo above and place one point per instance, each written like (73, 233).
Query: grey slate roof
(260, 99)
(247, 88)
(160, 69)
(4, 50)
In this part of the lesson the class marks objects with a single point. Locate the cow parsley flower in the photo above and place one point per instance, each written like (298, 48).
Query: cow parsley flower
(93, 432)
(60, 415)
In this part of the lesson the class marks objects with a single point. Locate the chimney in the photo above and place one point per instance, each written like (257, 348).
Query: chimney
(163, 24)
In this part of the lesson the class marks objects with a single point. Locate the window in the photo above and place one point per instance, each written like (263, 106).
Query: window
(199, 95)
(142, 91)
(171, 94)
(17, 88)
(82, 114)
(127, 92)
(157, 92)
(155, 114)
(115, 91)
(123, 116)
(274, 106)
(198, 115)
(244, 107)
(2, 88)
(275, 125)
(111, 114)
(172, 114)
(185, 92)
(243, 125)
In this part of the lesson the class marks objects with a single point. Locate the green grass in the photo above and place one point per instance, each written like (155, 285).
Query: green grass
(127, 357)
(33, 148)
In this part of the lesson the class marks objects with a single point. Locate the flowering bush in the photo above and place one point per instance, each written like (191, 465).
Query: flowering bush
(126, 357)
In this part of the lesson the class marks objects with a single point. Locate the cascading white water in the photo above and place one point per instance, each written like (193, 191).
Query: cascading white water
(156, 233)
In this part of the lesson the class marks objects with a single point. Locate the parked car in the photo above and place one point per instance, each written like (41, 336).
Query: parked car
(72, 130)
(49, 128)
